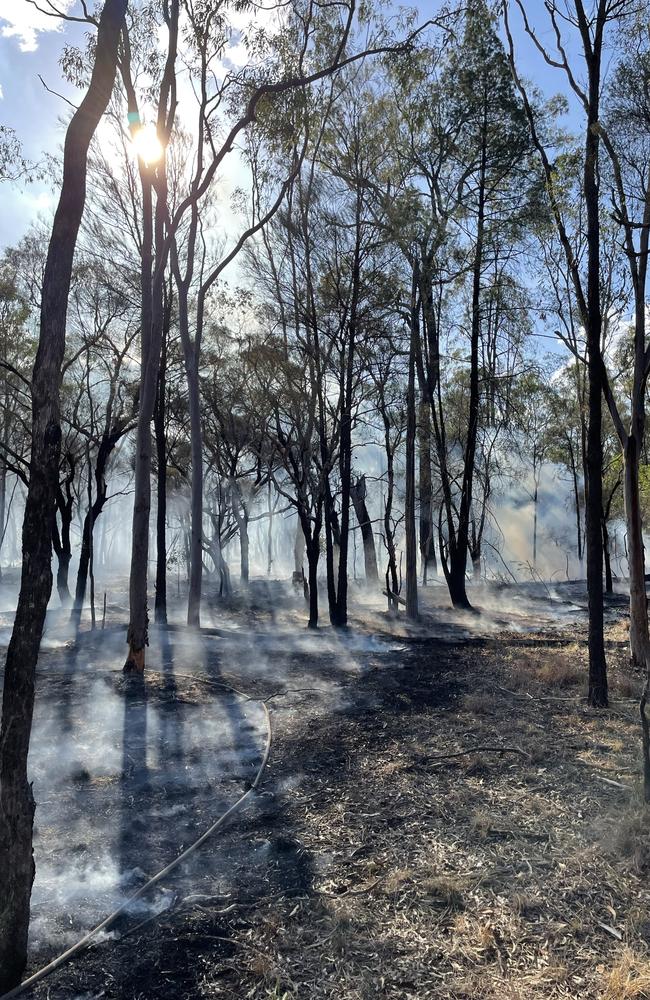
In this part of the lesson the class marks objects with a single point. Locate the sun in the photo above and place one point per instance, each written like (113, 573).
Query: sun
(147, 144)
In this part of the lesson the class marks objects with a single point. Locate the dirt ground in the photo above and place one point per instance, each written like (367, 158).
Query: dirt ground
(441, 817)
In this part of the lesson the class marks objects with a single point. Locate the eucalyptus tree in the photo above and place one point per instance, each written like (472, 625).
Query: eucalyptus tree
(105, 418)
(624, 128)
(16, 359)
(469, 191)
(16, 798)
(591, 25)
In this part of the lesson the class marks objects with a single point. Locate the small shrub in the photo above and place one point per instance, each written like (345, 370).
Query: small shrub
(560, 673)
(480, 703)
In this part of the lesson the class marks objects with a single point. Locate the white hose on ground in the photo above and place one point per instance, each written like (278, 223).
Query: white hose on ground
(88, 938)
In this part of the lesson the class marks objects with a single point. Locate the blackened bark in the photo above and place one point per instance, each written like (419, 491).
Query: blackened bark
(332, 535)
(427, 543)
(594, 485)
(409, 509)
(16, 799)
(358, 495)
(104, 452)
(152, 336)
(160, 602)
(609, 583)
(61, 538)
(459, 546)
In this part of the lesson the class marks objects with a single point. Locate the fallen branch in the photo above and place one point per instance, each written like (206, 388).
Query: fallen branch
(473, 750)
(394, 597)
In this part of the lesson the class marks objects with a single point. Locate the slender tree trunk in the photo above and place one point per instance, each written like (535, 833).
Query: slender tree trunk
(609, 583)
(598, 696)
(409, 510)
(16, 799)
(459, 549)
(64, 557)
(576, 501)
(152, 334)
(3, 503)
(427, 544)
(196, 502)
(358, 495)
(104, 452)
(331, 528)
(313, 553)
(298, 553)
(269, 537)
(639, 636)
(535, 506)
(241, 517)
(392, 582)
(160, 604)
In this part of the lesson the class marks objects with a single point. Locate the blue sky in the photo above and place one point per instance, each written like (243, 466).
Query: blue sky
(27, 107)
(31, 44)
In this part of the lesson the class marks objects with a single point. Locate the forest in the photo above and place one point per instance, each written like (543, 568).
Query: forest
(324, 485)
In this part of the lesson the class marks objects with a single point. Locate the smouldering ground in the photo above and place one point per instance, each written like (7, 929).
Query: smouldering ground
(375, 863)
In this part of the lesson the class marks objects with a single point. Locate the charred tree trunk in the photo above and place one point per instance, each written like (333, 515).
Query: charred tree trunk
(332, 536)
(598, 696)
(104, 452)
(313, 554)
(358, 495)
(240, 513)
(16, 799)
(609, 582)
(460, 545)
(61, 539)
(160, 604)
(196, 500)
(269, 537)
(535, 507)
(409, 510)
(639, 636)
(152, 334)
(427, 544)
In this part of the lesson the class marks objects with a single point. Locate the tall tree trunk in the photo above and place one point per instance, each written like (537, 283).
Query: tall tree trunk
(298, 553)
(160, 603)
(3, 504)
(409, 509)
(240, 514)
(358, 495)
(535, 507)
(152, 324)
(16, 799)
(427, 544)
(609, 583)
(331, 530)
(196, 499)
(104, 452)
(313, 554)
(63, 557)
(594, 486)
(269, 537)
(639, 636)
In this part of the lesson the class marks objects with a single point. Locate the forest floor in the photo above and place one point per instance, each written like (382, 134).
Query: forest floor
(442, 815)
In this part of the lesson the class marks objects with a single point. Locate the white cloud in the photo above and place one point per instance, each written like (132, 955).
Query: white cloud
(21, 20)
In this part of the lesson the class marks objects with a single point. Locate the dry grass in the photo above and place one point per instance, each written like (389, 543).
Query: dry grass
(481, 702)
(630, 838)
(484, 876)
(560, 672)
(629, 979)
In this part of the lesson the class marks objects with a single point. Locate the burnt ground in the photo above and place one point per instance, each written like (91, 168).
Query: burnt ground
(441, 817)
